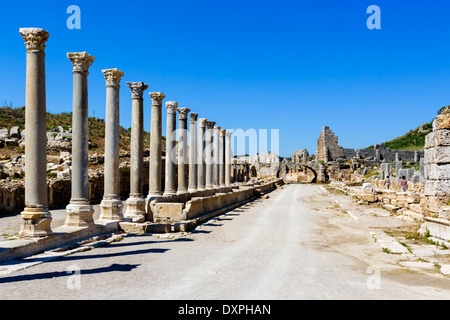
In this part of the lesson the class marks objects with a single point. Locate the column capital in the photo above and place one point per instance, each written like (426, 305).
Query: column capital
(113, 76)
(157, 97)
(172, 106)
(137, 89)
(183, 113)
(229, 134)
(210, 124)
(217, 128)
(81, 61)
(194, 117)
(223, 132)
(202, 122)
(35, 38)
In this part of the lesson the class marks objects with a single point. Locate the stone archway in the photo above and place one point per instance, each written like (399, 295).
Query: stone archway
(295, 176)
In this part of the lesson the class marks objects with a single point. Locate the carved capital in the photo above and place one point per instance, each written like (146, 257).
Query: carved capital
(113, 76)
(202, 122)
(81, 61)
(228, 134)
(35, 38)
(223, 132)
(183, 113)
(157, 97)
(210, 124)
(172, 106)
(217, 128)
(137, 89)
(193, 117)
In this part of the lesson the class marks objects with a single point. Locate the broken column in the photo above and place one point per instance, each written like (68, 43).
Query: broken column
(80, 211)
(193, 152)
(155, 189)
(228, 156)
(136, 202)
(36, 218)
(209, 160)
(111, 205)
(171, 154)
(182, 150)
(201, 177)
(216, 152)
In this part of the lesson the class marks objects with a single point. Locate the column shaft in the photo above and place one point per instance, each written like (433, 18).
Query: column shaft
(135, 209)
(80, 211)
(171, 153)
(36, 218)
(222, 158)
(111, 206)
(201, 177)
(155, 189)
(209, 160)
(182, 150)
(228, 159)
(193, 153)
(216, 157)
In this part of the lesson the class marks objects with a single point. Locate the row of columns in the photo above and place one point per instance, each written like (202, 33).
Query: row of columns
(209, 153)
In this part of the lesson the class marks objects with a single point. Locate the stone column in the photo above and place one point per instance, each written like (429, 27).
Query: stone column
(222, 133)
(193, 152)
(136, 202)
(209, 160)
(111, 205)
(36, 218)
(182, 150)
(171, 143)
(216, 152)
(228, 156)
(155, 189)
(80, 211)
(201, 178)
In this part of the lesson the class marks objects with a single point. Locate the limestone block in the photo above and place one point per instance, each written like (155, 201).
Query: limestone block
(12, 142)
(437, 172)
(15, 132)
(442, 121)
(4, 134)
(441, 155)
(168, 212)
(437, 188)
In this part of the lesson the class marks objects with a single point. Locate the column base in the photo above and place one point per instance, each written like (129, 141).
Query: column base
(111, 209)
(135, 209)
(191, 190)
(35, 223)
(79, 215)
(148, 207)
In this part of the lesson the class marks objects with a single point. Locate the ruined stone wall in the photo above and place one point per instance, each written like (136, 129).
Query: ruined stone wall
(437, 165)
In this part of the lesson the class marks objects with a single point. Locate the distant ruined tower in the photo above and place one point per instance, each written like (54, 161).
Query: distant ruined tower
(327, 146)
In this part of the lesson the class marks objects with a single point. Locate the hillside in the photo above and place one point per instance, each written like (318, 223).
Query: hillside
(414, 140)
(11, 117)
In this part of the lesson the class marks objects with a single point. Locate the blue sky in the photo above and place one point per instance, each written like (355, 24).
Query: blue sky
(292, 65)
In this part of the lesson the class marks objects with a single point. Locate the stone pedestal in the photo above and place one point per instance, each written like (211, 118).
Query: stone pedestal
(171, 152)
(182, 150)
(135, 209)
(80, 211)
(36, 219)
(111, 206)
